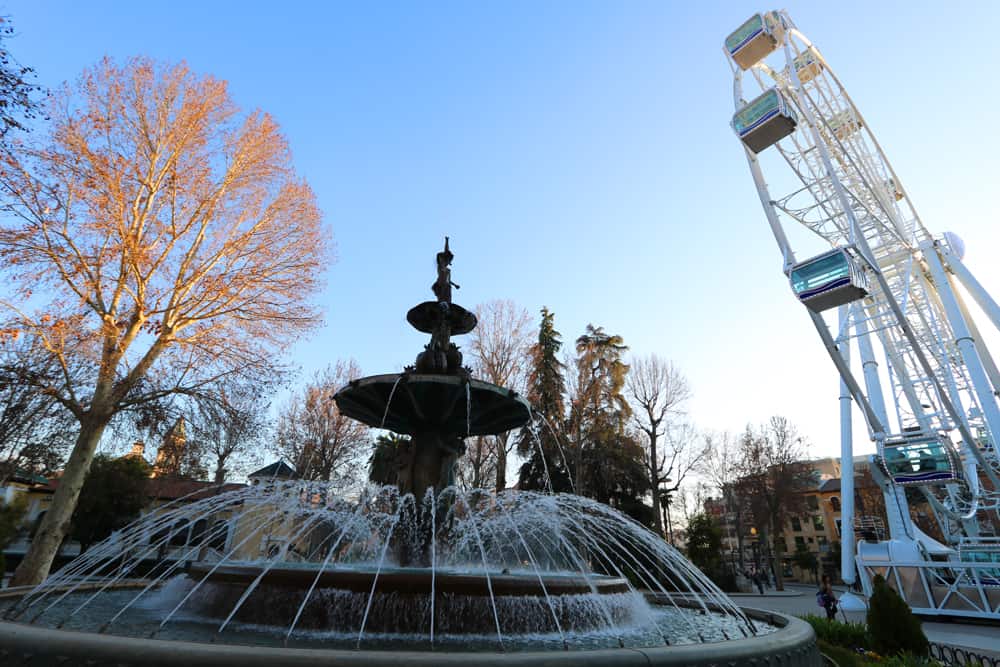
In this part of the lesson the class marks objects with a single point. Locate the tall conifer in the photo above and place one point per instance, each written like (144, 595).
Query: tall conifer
(546, 387)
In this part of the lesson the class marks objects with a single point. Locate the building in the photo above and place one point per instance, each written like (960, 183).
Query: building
(167, 490)
(816, 531)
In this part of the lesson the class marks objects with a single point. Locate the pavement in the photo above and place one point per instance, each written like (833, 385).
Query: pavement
(799, 599)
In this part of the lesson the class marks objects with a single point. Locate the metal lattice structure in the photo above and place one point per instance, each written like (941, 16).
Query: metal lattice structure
(931, 408)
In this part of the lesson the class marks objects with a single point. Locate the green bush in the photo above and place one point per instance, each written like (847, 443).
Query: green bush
(893, 628)
(846, 635)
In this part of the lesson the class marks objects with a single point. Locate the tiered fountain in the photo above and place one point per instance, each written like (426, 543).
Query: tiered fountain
(419, 572)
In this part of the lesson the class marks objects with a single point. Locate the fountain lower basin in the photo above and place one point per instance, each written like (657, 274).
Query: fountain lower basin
(191, 641)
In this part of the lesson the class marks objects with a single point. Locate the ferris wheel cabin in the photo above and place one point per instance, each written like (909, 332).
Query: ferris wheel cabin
(843, 124)
(756, 38)
(920, 460)
(765, 120)
(808, 65)
(829, 280)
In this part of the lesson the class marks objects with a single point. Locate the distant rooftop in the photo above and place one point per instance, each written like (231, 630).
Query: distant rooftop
(276, 469)
(171, 488)
(830, 485)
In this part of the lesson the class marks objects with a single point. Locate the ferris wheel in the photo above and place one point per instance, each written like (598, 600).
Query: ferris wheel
(928, 385)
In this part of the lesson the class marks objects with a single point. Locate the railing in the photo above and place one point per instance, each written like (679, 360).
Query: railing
(951, 588)
(953, 655)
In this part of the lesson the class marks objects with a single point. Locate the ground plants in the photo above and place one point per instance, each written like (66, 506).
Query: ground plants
(847, 635)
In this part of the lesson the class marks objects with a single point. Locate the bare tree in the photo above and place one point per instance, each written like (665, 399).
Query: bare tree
(500, 352)
(479, 463)
(229, 430)
(163, 242)
(658, 390)
(35, 430)
(774, 477)
(721, 468)
(315, 437)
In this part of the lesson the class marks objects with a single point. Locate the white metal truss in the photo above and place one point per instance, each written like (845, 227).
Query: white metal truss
(942, 378)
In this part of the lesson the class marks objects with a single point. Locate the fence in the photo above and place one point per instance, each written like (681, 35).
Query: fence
(952, 655)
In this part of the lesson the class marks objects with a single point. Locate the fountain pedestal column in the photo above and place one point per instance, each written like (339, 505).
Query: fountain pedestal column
(430, 463)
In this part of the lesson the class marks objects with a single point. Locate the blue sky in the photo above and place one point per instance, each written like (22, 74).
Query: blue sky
(578, 154)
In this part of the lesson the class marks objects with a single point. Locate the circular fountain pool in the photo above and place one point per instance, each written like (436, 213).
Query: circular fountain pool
(511, 573)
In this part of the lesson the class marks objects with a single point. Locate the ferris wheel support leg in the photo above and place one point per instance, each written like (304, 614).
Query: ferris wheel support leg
(981, 296)
(984, 353)
(869, 366)
(846, 461)
(970, 357)
(875, 425)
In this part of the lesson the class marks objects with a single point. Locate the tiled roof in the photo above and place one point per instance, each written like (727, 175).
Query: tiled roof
(276, 469)
(830, 485)
(171, 488)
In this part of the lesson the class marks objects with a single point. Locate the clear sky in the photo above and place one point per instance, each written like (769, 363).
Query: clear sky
(578, 154)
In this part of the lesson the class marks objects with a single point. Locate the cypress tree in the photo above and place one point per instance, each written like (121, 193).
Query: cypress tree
(546, 387)
(893, 627)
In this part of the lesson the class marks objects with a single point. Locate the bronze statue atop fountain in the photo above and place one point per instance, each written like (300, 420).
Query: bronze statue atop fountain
(436, 401)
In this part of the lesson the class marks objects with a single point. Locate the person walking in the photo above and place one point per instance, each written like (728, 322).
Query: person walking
(758, 579)
(826, 598)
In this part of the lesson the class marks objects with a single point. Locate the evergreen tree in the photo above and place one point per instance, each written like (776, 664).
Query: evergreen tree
(615, 473)
(893, 627)
(387, 458)
(704, 543)
(546, 387)
(599, 410)
(113, 495)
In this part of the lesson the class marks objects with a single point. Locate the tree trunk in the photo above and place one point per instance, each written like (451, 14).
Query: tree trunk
(220, 470)
(779, 550)
(477, 464)
(45, 545)
(580, 485)
(670, 528)
(501, 461)
(654, 482)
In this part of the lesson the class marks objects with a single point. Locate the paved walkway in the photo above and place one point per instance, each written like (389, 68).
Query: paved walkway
(800, 599)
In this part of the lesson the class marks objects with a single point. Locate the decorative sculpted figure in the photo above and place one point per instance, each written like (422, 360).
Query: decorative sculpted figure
(442, 286)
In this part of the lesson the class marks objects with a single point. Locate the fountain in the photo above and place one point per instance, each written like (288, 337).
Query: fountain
(288, 571)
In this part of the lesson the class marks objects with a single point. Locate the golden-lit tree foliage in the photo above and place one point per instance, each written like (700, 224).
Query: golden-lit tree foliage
(157, 241)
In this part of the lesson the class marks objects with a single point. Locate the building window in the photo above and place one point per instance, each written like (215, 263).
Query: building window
(812, 502)
(835, 503)
(799, 541)
(818, 522)
(809, 540)
(796, 524)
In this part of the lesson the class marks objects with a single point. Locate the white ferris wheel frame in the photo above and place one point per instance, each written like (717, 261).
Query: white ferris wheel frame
(941, 375)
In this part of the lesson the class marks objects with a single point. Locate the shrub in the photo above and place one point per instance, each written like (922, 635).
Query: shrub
(893, 628)
(846, 635)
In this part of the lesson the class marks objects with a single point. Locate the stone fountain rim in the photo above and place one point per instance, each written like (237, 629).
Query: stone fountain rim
(794, 644)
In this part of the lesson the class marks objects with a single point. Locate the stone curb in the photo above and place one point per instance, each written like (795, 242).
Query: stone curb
(794, 644)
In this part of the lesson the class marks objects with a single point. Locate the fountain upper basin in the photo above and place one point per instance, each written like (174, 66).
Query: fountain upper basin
(413, 403)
